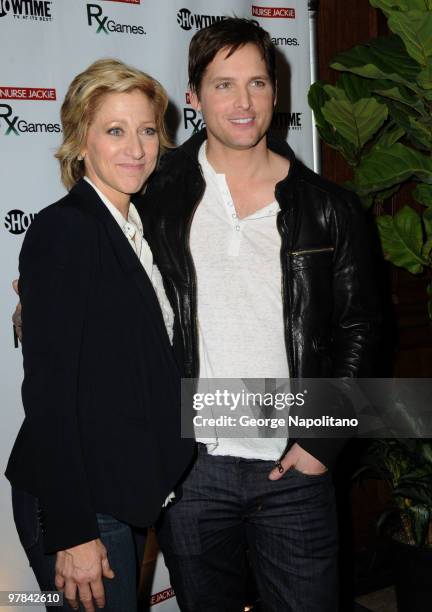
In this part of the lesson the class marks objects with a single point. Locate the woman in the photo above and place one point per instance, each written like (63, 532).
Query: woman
(100, 446)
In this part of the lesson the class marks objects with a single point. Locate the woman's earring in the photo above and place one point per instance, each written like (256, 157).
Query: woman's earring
(80, 157)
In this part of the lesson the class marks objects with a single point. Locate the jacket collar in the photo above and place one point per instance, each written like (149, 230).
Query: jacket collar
(89, 202)
(283, 190)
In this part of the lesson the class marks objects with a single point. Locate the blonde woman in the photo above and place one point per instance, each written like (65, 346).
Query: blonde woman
(99, 450)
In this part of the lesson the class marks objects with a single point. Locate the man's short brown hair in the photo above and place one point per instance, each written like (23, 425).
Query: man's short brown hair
(231, 34)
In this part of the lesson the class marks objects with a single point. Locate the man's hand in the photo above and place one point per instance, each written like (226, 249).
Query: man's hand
(16, 317)
(299, 459)
(82, 568)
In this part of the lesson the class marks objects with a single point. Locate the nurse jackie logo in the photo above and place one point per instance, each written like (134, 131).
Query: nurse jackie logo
(273, 12)
(32, 10)
(104, 24)
(12, 123)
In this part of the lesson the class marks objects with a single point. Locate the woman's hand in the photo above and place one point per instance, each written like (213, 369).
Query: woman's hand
(82, 568)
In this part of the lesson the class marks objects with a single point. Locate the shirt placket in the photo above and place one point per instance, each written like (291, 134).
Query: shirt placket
(237, 226)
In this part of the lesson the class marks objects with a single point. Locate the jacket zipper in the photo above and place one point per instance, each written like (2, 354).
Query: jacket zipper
(287, 307)
(306, 251)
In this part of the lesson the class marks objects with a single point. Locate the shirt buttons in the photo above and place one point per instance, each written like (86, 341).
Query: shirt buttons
(237, 227)
(234, 216)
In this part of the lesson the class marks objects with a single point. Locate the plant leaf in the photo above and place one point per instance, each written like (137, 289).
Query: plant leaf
(401, 5)
(381, 196)
(424, 78)
(425, 446)
(416, 132)
(357, 122)
(427, 247)
(399, 93)
(389, 136)
(383, 168)
(419, 516)
(382, 58)
(335, 92)
(415, 29)
(317, 97)
(402, 239)
(423, 194)
(354, 86)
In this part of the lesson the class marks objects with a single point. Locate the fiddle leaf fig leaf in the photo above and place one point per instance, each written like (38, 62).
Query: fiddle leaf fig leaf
(383, 58)
(317, 97)
(357, 122)
(427, 247)
(383, 168)
(388, 137)
(336, 93)
(401, 5)
(425, 448)
(419, 134)
(419, 516)
(381, 196)
(402, 239)
(399, 93)
(424, 78)
(354, 86)
(423, 194)
(415, 29)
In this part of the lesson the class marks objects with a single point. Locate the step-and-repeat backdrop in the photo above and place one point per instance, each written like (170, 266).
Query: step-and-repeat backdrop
(44, 44)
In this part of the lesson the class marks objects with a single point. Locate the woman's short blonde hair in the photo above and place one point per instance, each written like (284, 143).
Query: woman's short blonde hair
(83, 98)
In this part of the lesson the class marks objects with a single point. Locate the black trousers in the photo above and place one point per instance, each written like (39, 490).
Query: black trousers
(229, 509)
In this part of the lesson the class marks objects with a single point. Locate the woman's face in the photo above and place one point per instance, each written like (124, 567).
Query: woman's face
(122, 145)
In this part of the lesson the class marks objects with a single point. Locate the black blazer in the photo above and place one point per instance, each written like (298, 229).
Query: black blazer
(101, 390)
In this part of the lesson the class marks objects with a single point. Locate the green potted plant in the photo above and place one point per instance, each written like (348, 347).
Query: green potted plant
(378, 115)
(405, 465)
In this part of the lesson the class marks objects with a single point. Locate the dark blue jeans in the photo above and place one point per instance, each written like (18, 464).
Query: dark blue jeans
(230, 510)
(124, 548)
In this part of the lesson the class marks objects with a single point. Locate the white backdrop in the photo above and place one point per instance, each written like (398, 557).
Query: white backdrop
(44, 44)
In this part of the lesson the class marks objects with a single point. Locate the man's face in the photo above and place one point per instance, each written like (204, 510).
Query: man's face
(236, 98)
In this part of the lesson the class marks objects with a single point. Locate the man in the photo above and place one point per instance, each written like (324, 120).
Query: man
(266, 265)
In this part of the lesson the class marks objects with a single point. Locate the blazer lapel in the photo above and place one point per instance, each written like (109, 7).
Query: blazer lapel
(86, 196)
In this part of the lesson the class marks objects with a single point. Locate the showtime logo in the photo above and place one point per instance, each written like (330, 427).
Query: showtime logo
(188, 20)
(27, 93)
(17, 221)
(35, 10)
(275, 13)
(287, 121)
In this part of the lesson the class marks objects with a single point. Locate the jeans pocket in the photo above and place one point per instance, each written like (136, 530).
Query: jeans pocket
(26, 516)
(297, 472)
(108, 524)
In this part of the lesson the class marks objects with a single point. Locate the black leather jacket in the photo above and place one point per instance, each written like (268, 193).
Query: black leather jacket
(329, 299)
